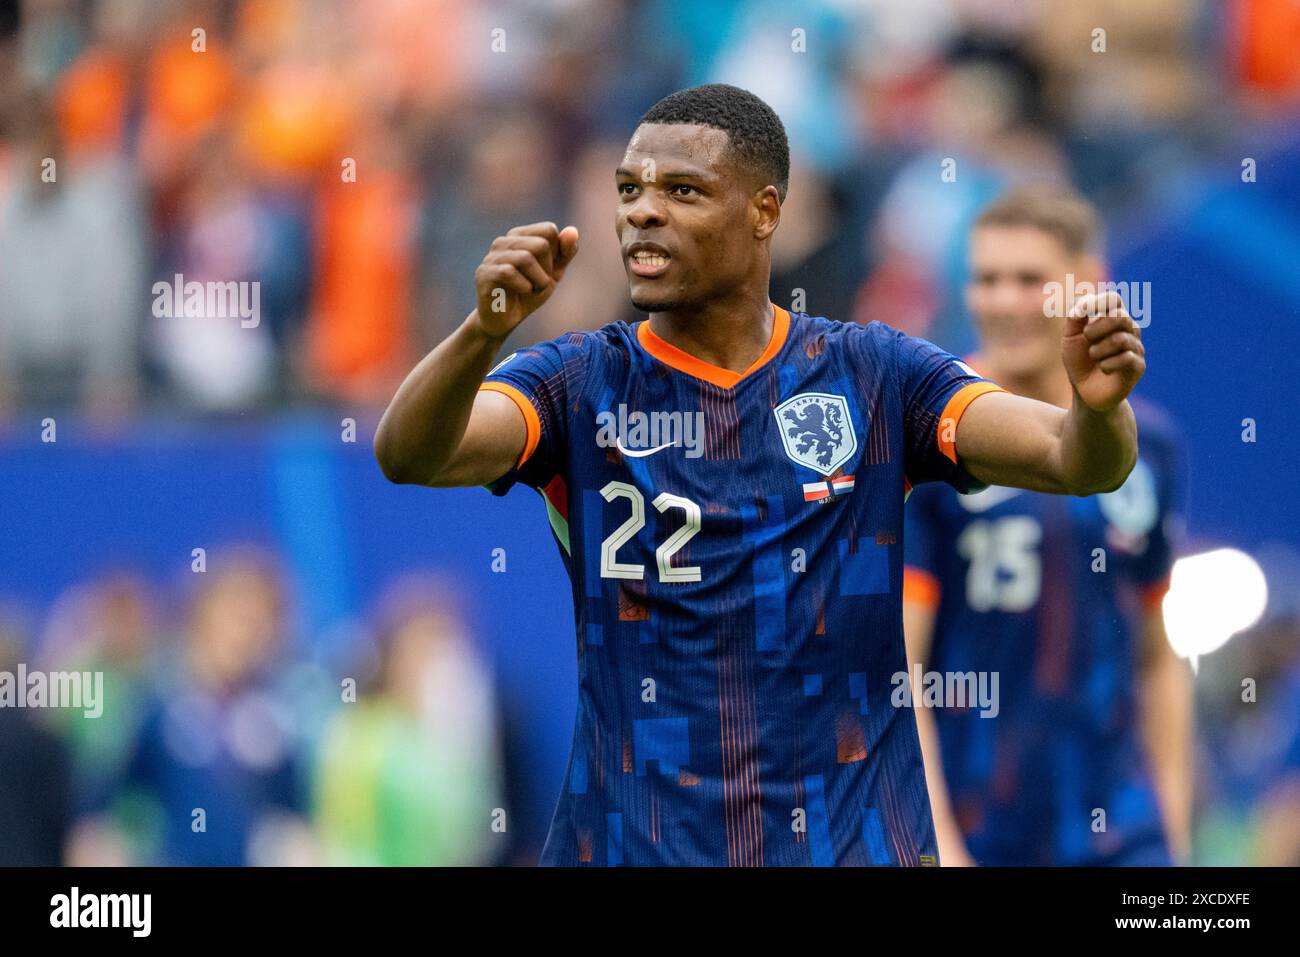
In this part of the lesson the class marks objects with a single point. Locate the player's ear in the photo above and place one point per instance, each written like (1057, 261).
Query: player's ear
(766, 208)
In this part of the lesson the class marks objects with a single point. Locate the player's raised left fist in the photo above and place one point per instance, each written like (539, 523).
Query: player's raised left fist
(519, 273)
(1102, 350)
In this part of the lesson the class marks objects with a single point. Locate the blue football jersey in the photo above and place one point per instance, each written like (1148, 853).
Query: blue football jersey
(1049, 592)
(734, 543)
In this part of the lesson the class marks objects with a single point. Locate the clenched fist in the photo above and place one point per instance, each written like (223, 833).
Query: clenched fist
(1102, 350)
(519, 273)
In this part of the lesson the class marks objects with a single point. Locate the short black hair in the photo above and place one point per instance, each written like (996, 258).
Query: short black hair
(753, 129)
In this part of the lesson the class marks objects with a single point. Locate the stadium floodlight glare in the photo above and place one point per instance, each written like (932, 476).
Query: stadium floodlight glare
(1212, 596)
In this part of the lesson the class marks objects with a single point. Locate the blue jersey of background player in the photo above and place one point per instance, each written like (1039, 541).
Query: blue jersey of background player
(726, 483)
(1060, 597)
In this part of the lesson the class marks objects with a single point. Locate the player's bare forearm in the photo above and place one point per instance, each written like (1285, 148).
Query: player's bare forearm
(424, 427)
(1167, 721)
(439, 429)
(1097, 449)
(1004, 439)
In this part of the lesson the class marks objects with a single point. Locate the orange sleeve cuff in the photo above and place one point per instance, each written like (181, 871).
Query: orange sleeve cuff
(532, 423)
(952, 413)
(920, 587)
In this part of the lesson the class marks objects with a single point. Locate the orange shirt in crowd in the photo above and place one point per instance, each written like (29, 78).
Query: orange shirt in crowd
(1266, 35)
(358, 331)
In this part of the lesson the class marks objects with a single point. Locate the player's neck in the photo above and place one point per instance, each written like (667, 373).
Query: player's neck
(729, 334)
(1047, 385)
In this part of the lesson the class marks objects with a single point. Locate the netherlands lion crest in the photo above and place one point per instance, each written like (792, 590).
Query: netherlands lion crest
(817, 430)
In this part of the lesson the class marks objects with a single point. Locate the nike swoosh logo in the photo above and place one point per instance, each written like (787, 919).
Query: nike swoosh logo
(991, 497)
(642, 453)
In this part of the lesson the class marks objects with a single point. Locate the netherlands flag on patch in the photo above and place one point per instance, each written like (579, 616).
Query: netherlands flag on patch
(816, 491)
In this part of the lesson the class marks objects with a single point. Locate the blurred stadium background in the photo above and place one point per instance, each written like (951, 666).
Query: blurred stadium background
(464, 118)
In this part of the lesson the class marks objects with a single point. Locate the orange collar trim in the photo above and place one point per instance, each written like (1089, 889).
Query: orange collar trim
(682, 361)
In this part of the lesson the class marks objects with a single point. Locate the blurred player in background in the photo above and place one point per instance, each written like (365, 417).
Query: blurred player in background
(404, 772)
(1060, 596)
(736, 565)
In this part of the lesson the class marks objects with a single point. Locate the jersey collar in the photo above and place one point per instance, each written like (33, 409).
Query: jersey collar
(682, 361)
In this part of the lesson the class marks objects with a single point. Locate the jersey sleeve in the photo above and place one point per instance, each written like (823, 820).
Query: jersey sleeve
(539, 380)
(921, 544)
(937, 388)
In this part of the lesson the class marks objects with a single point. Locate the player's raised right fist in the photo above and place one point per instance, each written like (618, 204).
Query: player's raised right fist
(519, 273)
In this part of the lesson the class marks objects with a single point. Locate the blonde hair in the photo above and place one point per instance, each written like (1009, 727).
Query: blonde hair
(1057, 210)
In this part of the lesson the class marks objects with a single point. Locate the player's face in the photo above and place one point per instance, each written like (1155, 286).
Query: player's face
(1009, 267)
(684, 217)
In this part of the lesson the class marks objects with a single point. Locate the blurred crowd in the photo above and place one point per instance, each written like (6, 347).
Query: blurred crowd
(1247, 781)
(216, 744)
(223, 741)
(355, 159)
